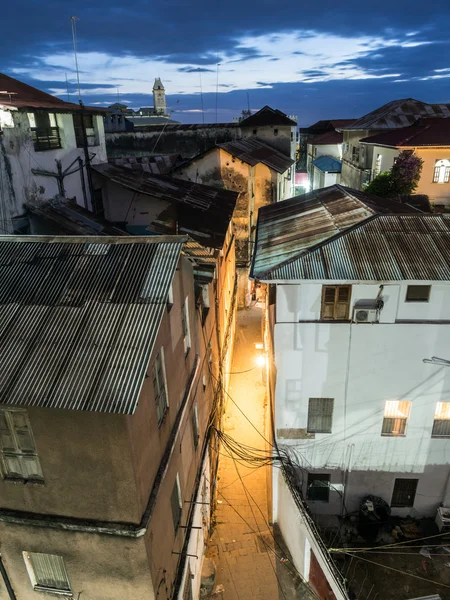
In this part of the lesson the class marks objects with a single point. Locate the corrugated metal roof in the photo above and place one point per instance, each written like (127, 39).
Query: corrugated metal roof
(253, 151)
(267, 116)
(324, 139)
(21, 95)
(158, 165)
(328, 164)
(425, 132)
(399, 113)
(202, 211)
(285, 229)
(383, 248)
(79, 318)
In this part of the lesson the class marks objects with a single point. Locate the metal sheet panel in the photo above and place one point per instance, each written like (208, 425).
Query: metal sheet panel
(80, 334)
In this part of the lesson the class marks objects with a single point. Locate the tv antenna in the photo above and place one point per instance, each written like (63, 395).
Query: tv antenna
(74, 38)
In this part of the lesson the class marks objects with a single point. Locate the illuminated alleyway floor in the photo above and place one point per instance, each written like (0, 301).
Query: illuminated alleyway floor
(251, 563)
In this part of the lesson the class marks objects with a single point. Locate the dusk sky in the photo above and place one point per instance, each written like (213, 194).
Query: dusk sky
(311, 59)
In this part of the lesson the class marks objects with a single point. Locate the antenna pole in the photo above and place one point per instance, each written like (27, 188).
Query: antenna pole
(201, 97)
(74, 38)
(217, 89)
(67, 85)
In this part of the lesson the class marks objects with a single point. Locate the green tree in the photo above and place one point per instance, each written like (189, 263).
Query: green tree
(401, 180)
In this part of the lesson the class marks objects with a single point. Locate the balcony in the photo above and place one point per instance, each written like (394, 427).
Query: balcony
(45, 138)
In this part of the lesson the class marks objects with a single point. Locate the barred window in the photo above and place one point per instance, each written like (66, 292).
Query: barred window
(47, 573)
(404, 492)
(160, 386)
(441, 425)
(320, 415)
(396, 415)
(19, 456)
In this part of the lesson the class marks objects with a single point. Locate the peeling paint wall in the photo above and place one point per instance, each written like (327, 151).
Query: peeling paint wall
(19, 158)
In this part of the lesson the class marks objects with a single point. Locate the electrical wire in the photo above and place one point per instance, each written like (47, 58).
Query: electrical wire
(429, 537)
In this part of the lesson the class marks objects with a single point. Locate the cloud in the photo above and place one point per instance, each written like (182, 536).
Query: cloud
(194, 70)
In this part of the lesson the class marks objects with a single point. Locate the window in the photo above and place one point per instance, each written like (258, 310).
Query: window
(47, 573)
(320, 415)
(355, 154)
(255, 131)
(185, 326)
(85, 123)
(441, 425)
(418, 293)
(170, 298)
(318, 487)
(176, 502)
(378, 165)
(160, 386)
(404, 492)
(44, 131)
(195, 428)
(19, 456)
(396, 415)
(275, 132)
(442, 171)
(335, 302)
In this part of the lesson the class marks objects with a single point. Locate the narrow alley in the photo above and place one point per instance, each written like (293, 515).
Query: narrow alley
(251, 562)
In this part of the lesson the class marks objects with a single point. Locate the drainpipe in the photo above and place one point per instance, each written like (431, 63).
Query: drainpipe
(8, 585)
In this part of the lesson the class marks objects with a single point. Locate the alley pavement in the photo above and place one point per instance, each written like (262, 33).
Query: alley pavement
(252, 562)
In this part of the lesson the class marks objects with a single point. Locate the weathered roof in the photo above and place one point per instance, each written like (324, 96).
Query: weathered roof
(425, 132)
(288, 228)
(150, 121)
(329, 137)
(326, 124)
(79, 317)
(253, 151)
(15, 94)
(158, 165)
(328, 164)
(201, 211)
(267, 116)
(399, 113)
(383, 248)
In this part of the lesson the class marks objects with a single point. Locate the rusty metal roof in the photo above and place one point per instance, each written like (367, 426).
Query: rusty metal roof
(286, 229)
(425, 132)
(15, 94)
(253, 151)
(383, 248)
(399, 113)
(267, 116)
(201, 211)
(158, 165)
(329, 137)
(79, 318)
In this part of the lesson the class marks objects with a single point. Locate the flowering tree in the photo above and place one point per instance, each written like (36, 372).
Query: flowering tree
(401, 180)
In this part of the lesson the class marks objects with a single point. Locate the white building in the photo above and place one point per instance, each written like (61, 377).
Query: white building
(359, 297)
(324, 159)
(46, 147)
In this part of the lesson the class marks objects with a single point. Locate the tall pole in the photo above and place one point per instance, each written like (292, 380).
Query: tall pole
(67, 85)
(217, 89)
(201, 97)
(74, 38)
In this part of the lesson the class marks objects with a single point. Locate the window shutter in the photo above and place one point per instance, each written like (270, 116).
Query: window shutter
(6, 437)
(31, 467)
(437, 171)
(320, 415)
(328, 296)
(48, 571)
(175, 501)
(342, 302)
(23, 433)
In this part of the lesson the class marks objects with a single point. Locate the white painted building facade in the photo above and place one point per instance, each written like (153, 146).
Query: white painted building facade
(368, 372)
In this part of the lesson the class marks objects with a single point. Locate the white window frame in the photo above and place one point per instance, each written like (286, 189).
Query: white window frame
(26, 460)
(160, 386)
(177, 486)
(185, 327)
(57, 569)
(398, 411)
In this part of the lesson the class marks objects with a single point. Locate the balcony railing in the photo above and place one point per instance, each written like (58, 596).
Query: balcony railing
(45, 138)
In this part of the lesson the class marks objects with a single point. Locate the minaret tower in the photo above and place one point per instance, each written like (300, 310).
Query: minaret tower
(159, 97)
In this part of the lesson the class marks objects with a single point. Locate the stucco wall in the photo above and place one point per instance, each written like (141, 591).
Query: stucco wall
(18, 157)
(283, 140)
(361, 366)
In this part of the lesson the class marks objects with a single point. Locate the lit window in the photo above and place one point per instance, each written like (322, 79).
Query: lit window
(441, 425)
(177, 503)
(47, 573)
(418, 293)
(396, 414)
(19, 455)
(185, 326)
(442, 171)
(160, 386)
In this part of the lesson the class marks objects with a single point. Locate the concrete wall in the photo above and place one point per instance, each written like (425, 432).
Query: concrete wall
(361, 366)
(18, 157)
(352, 170)
(174, 140)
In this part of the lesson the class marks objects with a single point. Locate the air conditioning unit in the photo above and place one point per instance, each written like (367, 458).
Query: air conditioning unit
(365, 315)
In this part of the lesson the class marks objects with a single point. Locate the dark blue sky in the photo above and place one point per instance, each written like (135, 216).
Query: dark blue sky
(315, 60)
